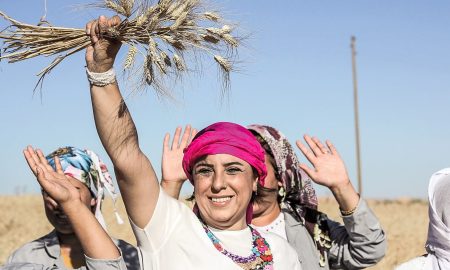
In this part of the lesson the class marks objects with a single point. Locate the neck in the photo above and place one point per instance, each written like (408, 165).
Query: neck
(267, 216)
(69, 241)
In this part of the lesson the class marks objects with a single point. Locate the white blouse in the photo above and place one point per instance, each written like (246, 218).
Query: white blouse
(175, 239)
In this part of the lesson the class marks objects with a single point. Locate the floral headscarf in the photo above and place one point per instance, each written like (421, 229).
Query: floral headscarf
(85, 166)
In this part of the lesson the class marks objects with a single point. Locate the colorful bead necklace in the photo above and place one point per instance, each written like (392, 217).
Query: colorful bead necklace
(260, 259)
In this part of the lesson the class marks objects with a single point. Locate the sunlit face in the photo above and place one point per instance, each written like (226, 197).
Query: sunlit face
(223, 187)
(55, 214)
(265, 200)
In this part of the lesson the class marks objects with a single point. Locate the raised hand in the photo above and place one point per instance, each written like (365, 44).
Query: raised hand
(54, 183)
(173, 175)
(329, 170)
(101, 54)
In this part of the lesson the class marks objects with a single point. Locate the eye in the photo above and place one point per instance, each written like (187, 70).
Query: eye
(205, 171)
(233, 170)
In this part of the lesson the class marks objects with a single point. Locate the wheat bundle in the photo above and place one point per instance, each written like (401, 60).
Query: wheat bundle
(161, 34)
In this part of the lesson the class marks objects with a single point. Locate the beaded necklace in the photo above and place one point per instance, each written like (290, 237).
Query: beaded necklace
(260, 259)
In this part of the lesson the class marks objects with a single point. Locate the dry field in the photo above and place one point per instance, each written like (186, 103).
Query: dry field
(405, 222)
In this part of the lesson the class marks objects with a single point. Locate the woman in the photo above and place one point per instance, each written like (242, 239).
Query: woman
(224, 162)
(287, 204)
(73, 182)
(438, 241)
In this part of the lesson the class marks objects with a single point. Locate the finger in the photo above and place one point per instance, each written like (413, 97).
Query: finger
(33, 154)
(312, 145)
(58, 166)
(88, 28)
(114, 21)
(321, 146)
(102, 25)
(30, 161)
(93, 33)
(166, 143)
(185, 137)
(332, 148)
(176, 138)
(306, 152)
(310, 172)
(193, 133)
(43, 160)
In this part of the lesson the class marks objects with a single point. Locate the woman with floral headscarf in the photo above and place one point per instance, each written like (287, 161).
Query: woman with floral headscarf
(286, 204)
(224, 162)
(438, 240)
(67, 172)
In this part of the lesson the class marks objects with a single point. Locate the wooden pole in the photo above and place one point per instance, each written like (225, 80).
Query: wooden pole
(355, 104)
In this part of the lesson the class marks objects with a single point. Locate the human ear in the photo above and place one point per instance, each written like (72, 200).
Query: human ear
(255, 183)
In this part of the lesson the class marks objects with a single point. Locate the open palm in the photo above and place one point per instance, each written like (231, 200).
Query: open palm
(328, 168)
(54, 183)
(172, 158)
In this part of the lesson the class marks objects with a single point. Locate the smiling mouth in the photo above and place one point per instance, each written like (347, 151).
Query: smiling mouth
(220, 200)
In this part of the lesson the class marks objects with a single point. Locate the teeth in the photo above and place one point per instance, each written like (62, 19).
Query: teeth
(221, 200)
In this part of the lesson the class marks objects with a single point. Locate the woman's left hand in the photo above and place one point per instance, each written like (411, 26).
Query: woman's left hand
(328, 168)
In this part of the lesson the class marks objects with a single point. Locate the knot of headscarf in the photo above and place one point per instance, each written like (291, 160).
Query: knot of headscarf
(438, 241)
(225, 138)
(85, 166)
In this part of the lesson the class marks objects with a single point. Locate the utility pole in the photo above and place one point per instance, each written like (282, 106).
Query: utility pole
(355, 104)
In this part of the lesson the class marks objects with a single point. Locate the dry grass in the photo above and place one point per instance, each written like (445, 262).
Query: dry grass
(163, 35)
(405, 222)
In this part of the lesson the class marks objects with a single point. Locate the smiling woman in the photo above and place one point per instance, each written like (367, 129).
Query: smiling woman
(224, 161)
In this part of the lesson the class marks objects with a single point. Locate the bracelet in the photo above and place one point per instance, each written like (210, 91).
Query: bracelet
(101, 79)
(348, 212)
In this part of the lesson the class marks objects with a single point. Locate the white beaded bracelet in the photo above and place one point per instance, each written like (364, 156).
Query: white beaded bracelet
(101, 79)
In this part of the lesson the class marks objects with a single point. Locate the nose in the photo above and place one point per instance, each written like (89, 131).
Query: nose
(219, 182)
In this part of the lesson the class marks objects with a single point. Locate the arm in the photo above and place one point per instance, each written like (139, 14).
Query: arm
(95, 241)
(135, 176)
(361, 242)
(173, 175)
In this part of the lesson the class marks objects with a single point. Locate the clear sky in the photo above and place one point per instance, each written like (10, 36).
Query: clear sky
(295, 75)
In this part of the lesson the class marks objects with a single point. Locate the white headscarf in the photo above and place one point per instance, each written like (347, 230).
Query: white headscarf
(438, 242)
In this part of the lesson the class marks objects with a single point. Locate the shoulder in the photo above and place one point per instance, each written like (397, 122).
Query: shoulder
(29, 251)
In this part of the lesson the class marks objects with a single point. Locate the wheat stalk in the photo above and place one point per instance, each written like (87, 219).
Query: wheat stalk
(164, 35)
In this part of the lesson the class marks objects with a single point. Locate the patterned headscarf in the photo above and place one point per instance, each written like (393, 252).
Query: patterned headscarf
(226, 138)
(299, 198)
(299, 191)
(85, 166)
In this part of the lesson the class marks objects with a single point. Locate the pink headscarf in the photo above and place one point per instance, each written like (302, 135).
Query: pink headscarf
(226, 138)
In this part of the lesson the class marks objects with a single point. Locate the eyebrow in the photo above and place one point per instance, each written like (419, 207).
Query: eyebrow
(204, 163)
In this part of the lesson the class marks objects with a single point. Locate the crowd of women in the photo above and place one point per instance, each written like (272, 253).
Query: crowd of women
(255, 206)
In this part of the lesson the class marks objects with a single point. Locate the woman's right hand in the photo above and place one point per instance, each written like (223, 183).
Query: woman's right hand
(102, 52)
(55, 183)
(173, 175)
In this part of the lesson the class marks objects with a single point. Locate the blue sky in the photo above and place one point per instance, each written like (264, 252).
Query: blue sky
(295, 75)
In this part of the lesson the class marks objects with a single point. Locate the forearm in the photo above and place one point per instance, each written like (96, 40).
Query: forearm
(95, 241)
(346, 196)
(172, 188)
(360, 243)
